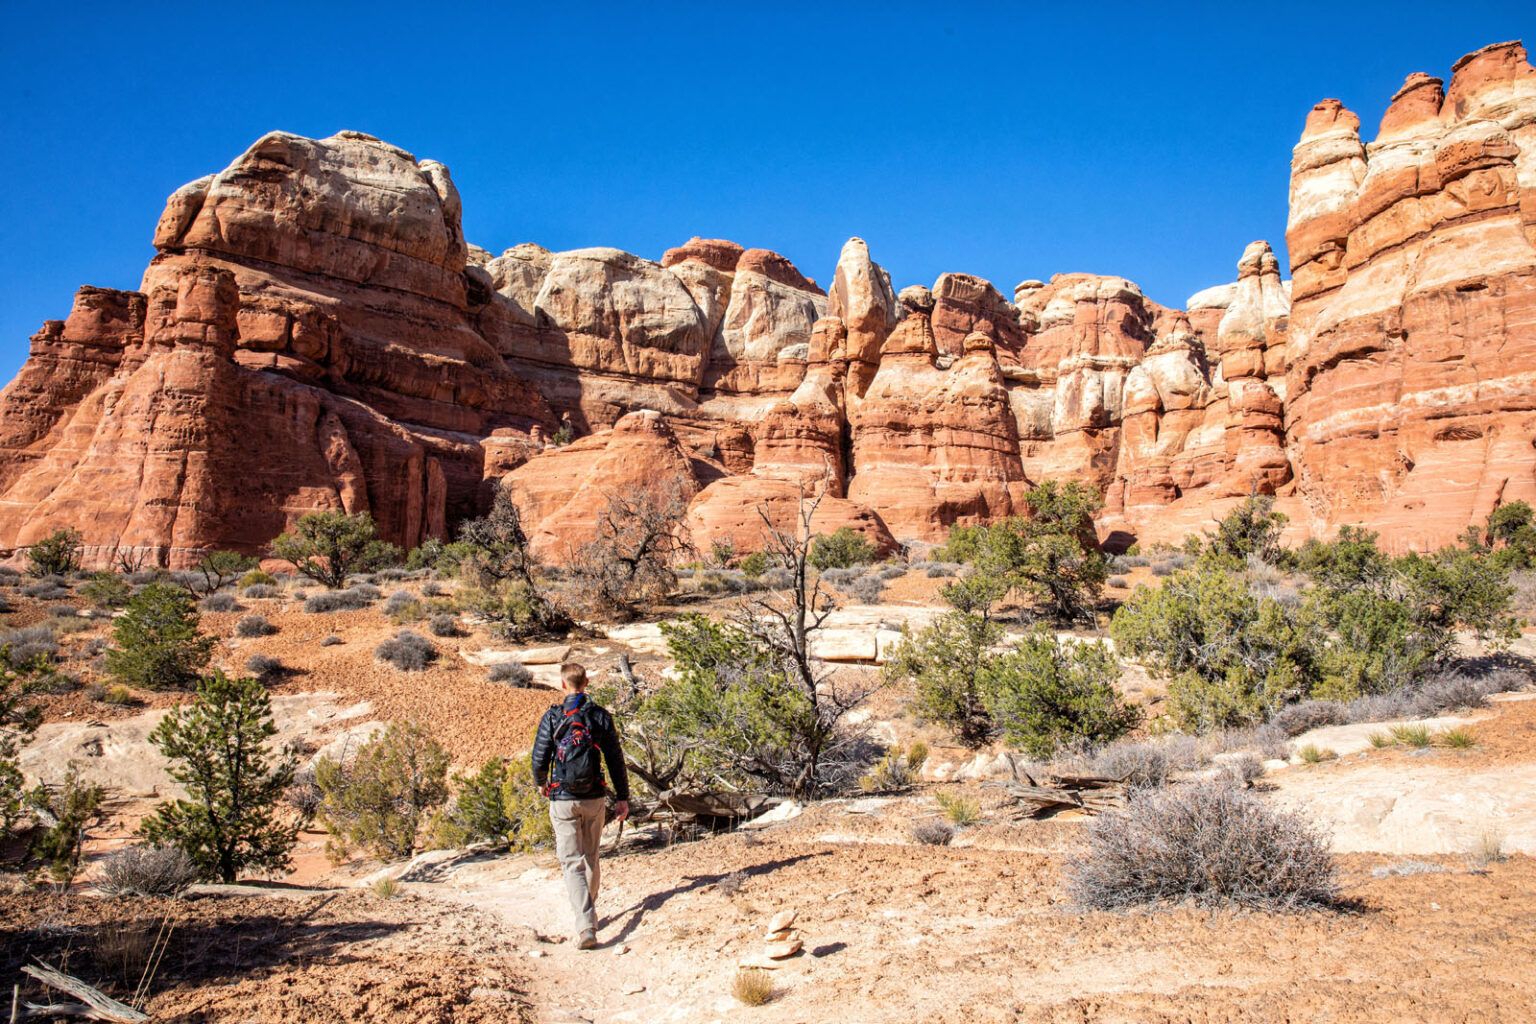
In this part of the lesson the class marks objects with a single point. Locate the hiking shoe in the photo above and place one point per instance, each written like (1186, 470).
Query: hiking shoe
(587, 941)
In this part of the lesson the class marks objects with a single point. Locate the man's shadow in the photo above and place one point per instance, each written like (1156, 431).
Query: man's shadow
(692, 883)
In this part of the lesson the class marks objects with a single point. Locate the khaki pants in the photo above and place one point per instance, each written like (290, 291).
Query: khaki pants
(578, 834)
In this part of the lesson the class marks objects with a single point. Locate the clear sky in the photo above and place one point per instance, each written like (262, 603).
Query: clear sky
(1006, 140)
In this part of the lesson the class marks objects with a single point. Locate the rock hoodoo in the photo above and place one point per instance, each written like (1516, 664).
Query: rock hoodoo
(315, 332)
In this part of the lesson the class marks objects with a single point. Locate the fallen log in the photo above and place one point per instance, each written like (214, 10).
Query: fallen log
(93, 1005)
(1092, 794)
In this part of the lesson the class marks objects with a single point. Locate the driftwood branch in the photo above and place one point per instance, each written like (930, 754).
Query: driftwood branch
(1091, 794)
(93, 1004)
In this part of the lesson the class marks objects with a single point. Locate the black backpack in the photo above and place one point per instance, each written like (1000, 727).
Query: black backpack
(578, 769)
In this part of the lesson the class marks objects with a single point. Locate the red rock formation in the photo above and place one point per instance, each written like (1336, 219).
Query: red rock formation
(933, 447)
(314, 332)
(1411, 402)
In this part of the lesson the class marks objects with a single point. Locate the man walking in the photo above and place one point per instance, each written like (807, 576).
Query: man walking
(566, 767)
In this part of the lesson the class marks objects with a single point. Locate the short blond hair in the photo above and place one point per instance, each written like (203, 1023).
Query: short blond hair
(573, 675)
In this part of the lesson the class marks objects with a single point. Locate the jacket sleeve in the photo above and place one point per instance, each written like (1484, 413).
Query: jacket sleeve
(613, 757)
(543, 751)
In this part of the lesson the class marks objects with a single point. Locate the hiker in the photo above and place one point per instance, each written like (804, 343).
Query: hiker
(566, 768)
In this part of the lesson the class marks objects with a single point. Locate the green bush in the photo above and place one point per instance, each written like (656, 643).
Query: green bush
(57, 554)
(945, 664)
(158, 645)
(754, 565)
(501, 804)
(329, 546)
(217, 746)
(1046, 692)
(1253, 528)
(1051, 557)
(379, 800)
(107, 590)
(69, 808)
(257, 578)
(841, 549)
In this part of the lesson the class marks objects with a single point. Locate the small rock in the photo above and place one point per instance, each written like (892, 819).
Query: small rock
(759, 962)
(781, 921)
(787, 935)
(535, 953)
(783, 950)
(620, 949)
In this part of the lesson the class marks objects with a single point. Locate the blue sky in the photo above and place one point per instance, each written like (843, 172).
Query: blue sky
(1006, 140)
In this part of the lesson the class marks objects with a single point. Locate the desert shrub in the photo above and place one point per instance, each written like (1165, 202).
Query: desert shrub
(444, 624)
(736, 702)
(219, 603)
(257, 578)
(329, 546)
(1295, 719)
(216, 568)
(380, 799)
(841, 549)
(261, 591)
(1146, 762)
(69, 808)
(1253, 528)
(29, 644)
(9, 576)
(117, 695)
(331, 641)
(945, 666)
(754, 565)
(960, 810)
(1486, 850)
(403, 607)
(50, 588)
(263, 666)
(217, 746)
(432, 588)
(144, 870)
(1243, 769)
(500, 803)
(158, 645)
(1119, 582)
(1268, 739)
(512, 673)
(1051, 556)
(1230, 656)
(932, 832)
(940, 570)
(350, 599)
(57, 554)
(896, 771)
(1311, 753)
(407, 651)
(106, 590)
(865, 589)
(1207, 843)
(1045, 692)
(254, 625)
(630, 561)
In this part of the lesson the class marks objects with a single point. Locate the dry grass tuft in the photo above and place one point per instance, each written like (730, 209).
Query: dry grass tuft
(752, 986)
(961, 810)
(386, 888)
(1487, 849)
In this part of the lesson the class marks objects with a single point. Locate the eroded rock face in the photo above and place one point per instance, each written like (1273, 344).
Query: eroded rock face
(1411, 379)
(315, 332)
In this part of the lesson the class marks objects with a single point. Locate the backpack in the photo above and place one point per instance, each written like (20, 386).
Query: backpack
(578, 770)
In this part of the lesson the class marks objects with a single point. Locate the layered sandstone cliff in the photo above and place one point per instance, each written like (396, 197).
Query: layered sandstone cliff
(315, 332)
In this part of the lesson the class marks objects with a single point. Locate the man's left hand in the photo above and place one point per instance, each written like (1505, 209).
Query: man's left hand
(621, 810)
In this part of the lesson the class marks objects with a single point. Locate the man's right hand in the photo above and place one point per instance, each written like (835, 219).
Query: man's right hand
(621, 810)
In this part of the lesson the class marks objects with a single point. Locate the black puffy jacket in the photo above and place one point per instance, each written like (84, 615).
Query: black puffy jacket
(603, 731)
